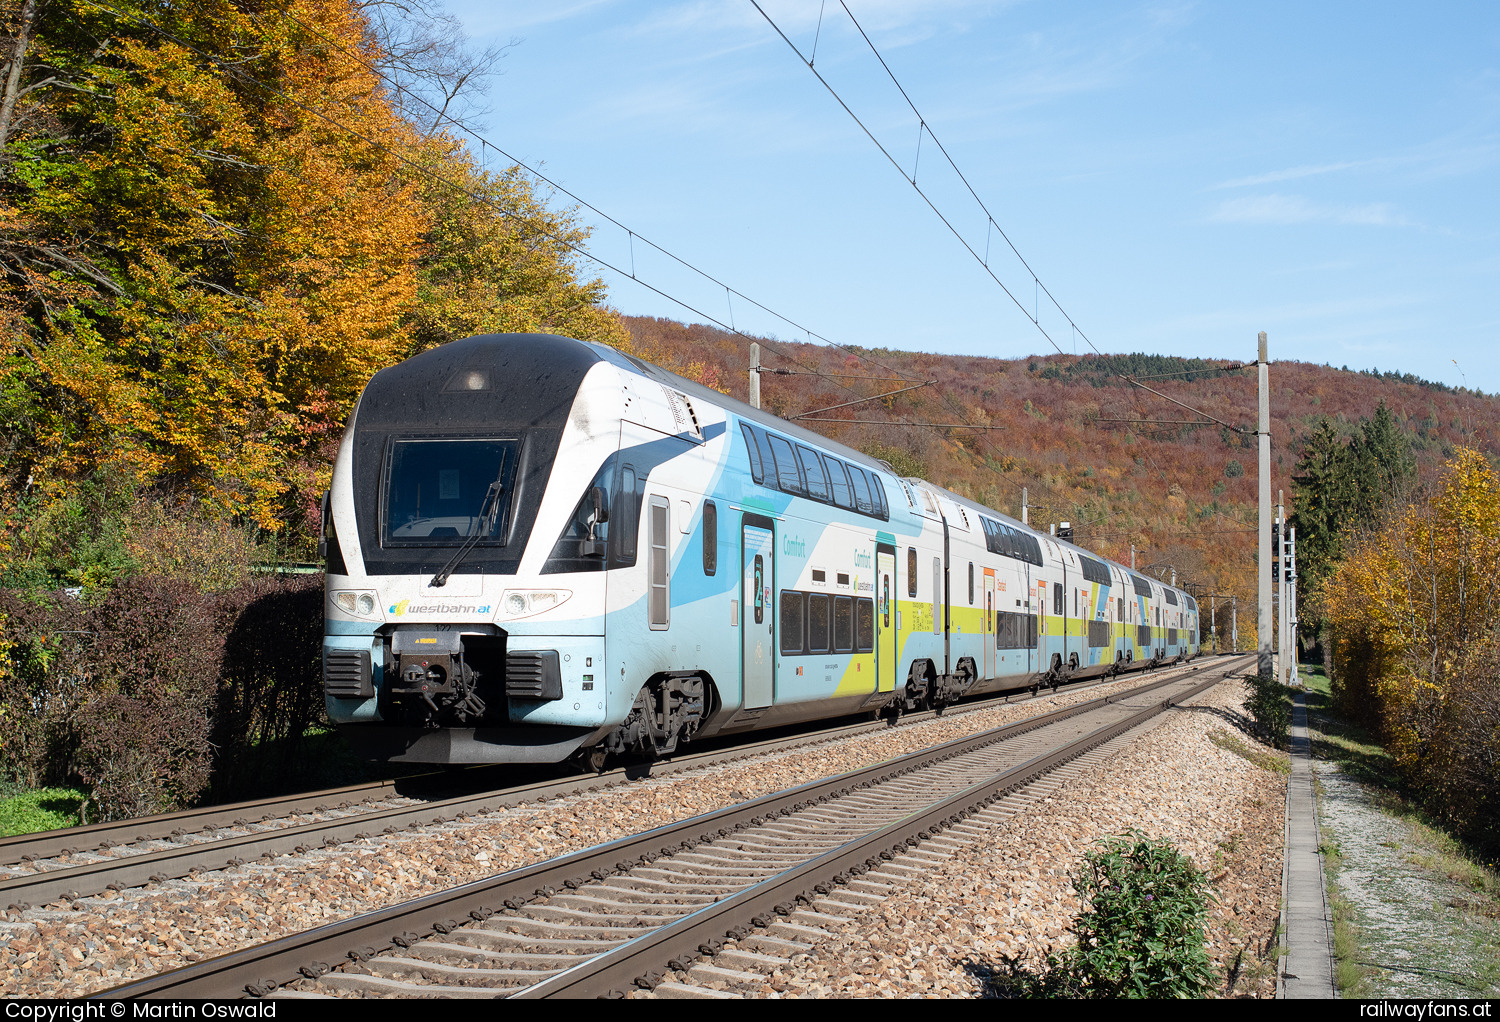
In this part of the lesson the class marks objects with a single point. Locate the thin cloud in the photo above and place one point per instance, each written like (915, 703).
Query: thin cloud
(1292, 174)
(1294, 209)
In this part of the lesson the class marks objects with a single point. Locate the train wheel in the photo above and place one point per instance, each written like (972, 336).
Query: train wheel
(596, 758)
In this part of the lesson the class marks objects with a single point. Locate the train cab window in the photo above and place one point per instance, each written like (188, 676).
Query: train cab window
(792, 621)
(756, 472)
(843, 496)
(710, 537)
(911, 572)
(626, 518)
(843, 624)
(813, 472)
(864, 632)
(443, 492)
(788, 479)
(819, 607)
(861, 490)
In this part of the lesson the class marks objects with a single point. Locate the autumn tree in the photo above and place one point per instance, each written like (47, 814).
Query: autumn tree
(216, 228)
(1415, 611)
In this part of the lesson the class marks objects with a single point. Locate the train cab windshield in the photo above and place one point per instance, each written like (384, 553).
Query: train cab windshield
(436, 491)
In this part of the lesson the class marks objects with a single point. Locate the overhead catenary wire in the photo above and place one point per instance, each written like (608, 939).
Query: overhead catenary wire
(924, 127)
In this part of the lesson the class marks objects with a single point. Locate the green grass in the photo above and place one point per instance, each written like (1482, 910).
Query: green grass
(42, 809)
(1431, 849)
(1279, 763)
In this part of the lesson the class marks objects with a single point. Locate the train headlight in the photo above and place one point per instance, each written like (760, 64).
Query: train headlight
(524, 602)
(356, 604)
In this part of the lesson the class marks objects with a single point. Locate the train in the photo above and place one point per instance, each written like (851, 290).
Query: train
(542, 549)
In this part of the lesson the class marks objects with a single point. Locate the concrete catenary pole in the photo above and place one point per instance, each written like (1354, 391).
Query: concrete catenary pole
(754, 375)
(1025, 508)
(1234, 622)
(1263, 663)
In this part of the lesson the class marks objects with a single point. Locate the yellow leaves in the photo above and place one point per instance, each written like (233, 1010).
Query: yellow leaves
(1413, 605)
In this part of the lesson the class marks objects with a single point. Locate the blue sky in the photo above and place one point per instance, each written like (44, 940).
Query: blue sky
(1179, 175)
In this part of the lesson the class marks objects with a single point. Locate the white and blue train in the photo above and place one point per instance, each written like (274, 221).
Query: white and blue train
(540, 548)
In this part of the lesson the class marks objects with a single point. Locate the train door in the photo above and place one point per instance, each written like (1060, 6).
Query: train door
(991, 631)
(887, 638)
(757, 619)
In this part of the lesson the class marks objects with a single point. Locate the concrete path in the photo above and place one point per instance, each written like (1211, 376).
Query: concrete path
(1306, 969)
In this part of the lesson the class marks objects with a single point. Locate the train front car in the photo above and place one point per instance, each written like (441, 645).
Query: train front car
(464, 617)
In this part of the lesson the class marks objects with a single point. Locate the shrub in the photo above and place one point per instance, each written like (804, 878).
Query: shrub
(1270, 706)
(270, 683)
(1139, 935)
(159, 691)
(144, 733)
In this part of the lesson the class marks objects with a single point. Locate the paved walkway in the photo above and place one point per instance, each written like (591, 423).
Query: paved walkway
(1306, 969)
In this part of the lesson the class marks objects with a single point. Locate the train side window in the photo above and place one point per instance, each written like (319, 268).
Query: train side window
(911, 572)
(818, 607)
(710, 537)
(971, 583)
(792, 621)
(843, 496)
(865, 626)
(812, 470)
(1057, 598)
(843, 624)
(788, 479)
(861, 490)
(661, 510)
(756, 472)
(877, 492)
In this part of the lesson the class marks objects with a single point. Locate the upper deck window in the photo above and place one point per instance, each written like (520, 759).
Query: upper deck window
(807, 472)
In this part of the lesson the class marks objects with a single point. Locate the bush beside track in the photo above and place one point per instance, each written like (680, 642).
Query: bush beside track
(156, 696)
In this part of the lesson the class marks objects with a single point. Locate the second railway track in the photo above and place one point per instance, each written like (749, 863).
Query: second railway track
(600, 920)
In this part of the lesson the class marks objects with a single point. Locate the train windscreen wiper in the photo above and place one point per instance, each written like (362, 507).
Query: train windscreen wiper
(482, 524)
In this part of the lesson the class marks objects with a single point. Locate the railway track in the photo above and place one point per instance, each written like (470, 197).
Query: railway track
(617, 916)
(82, 861)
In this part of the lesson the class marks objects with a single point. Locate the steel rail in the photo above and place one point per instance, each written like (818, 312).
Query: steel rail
(72, 882)
(756, 905)
(261, 969)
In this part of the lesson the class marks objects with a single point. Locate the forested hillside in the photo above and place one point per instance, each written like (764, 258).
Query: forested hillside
(1184, 495)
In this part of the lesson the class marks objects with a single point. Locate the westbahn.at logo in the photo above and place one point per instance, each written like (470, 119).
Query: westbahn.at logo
(404, 606)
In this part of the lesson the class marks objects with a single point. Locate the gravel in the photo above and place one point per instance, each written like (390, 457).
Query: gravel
(65, 950)
(943, 935)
